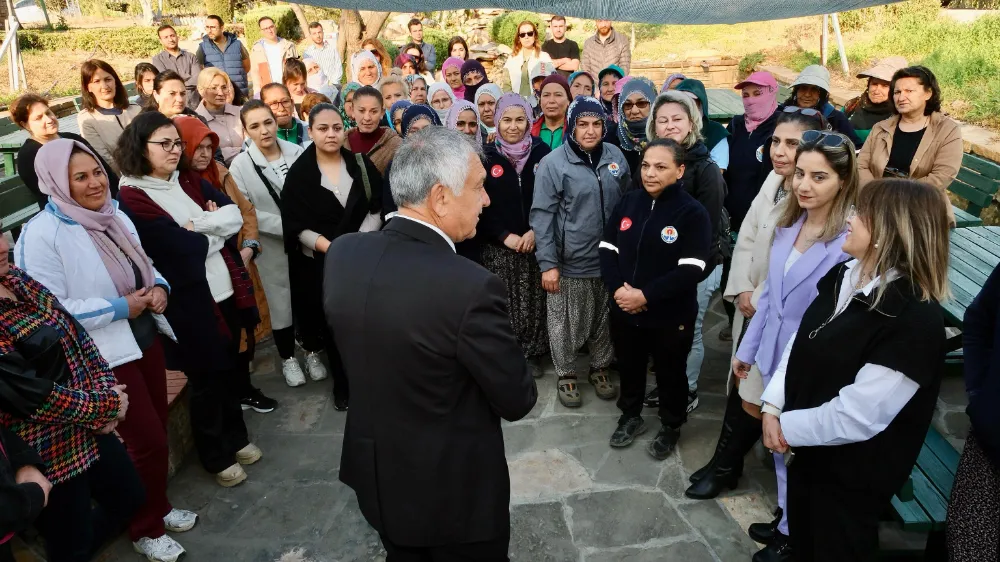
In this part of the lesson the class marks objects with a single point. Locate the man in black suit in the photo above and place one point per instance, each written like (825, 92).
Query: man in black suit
(432, 362)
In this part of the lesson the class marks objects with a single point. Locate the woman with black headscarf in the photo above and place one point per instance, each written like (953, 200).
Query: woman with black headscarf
(634, 106)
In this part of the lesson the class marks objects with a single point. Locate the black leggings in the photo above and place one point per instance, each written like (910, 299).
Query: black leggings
(73, 530)
(284, 340)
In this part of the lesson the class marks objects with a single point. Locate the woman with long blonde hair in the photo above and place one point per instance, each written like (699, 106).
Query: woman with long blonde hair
(856, 387)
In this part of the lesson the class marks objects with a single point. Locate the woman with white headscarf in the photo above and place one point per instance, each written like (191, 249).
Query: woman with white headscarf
(486, 100)
(365, 68)
(463, 117)
(440, 98)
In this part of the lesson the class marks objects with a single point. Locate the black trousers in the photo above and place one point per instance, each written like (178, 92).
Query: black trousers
(730, 308)
(216, 416)
(669, 348)
(828, 522)
(87, 510)
(488, 551)
(312, 325)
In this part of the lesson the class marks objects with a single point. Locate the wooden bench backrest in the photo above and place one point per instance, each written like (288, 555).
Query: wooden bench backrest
(977, 182)
(17, 203)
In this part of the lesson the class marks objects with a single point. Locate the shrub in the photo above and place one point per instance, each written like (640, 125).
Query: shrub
(440, 40)
(221, 8)
(505, 27)
(749, 63)
(284, 20)
(390, 48)
(891, 15)
(135, 41)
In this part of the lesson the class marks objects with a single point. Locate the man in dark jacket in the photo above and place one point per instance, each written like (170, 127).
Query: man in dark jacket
(224, 50)
(423, 448)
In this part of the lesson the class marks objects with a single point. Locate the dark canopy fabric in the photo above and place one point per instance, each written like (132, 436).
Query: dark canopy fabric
(650, 11)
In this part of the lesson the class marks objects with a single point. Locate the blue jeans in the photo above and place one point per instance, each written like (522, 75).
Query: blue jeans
(697, 355)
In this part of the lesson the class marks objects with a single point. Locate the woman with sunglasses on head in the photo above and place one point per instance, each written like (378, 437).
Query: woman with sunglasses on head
(675, 116)
(417, 54)
(527, 53)
(811, 90)
(329, 191)
(919, 142)
(375, 47)
(188, 228)
(652, 257)
(743, 289)
(854, 428)
(807, 243)
(105, 110)
(507, 240)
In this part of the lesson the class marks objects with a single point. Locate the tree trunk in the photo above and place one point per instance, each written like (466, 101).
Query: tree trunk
(355, 27)
(147, 11)
(301, 16)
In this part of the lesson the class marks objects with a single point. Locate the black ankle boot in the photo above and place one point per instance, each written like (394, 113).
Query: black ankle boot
(778, 550)
(764, 532)
(729, 464)
(734, 404)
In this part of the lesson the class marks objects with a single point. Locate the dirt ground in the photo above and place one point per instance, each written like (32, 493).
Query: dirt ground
(59, 72)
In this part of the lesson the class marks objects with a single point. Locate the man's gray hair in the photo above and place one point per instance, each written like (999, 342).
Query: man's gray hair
(429, 156)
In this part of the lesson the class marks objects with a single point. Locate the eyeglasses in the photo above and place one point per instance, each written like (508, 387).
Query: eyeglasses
(170, 145)
(807, 111)
(526, 34)
(641, 104)
(285, 102)
(823, 138)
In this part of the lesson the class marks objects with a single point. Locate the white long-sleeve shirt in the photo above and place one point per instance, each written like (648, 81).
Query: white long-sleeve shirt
(862, 409)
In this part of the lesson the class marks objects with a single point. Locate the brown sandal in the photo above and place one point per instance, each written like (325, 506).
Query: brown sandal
(603, 386)
(569, 392)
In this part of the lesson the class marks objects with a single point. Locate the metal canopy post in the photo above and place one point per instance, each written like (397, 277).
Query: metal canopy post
(840, 45)
(824, 47)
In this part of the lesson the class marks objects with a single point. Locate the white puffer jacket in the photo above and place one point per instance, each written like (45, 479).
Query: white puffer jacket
(58, 253)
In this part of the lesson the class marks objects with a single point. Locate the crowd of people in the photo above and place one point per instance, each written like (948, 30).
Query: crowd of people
(183, 223)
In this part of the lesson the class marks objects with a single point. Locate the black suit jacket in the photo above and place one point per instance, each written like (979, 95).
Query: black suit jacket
(433, 365)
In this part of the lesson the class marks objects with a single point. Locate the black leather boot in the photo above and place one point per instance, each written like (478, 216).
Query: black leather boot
(764, 532)
(778, 550)
(746, 431)
(733, 403)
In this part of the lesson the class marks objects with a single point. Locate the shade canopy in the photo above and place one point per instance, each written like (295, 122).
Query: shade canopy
(648, 11)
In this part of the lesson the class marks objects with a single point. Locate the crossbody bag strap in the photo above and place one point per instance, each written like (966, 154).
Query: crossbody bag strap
(267, 184)
(364, 175)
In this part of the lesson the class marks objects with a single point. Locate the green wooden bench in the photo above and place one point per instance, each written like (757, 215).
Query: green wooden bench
(922, 504)
(17, 203)
(977, 182)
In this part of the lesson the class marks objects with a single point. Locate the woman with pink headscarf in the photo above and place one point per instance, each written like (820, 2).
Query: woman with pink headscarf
(451, 72)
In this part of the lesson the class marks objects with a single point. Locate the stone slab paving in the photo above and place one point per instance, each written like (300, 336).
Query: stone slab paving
(573, 497)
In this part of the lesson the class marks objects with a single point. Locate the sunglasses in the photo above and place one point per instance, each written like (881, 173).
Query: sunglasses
(641, 104)
(823, 138)
(807, 111)
(526, 34)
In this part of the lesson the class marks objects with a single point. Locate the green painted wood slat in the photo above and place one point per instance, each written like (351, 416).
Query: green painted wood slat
(985, 167)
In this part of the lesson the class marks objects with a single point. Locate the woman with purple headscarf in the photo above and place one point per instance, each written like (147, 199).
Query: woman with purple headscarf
(463, 117)
(87, 253)
(508, 243)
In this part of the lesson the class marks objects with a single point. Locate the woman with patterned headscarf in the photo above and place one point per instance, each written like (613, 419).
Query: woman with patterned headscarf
(365, 68)
(634, 105)
(414, 118)
(486, 104)
(463, 117)
(440, 97)
(346, 104)
(395, 114)
(507, 241)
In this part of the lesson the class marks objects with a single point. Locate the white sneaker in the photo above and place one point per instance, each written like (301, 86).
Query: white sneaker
(293, 372)
(180, 520)
(231, 476)
(314, 365)
(161, 549)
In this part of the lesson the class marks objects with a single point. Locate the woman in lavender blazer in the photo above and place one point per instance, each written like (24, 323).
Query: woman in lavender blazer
(807, 244)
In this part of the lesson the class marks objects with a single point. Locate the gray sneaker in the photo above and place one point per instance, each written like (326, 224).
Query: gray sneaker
(692, 400)
(627, 431)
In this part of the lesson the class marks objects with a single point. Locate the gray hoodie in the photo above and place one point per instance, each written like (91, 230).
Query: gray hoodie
(566, 213)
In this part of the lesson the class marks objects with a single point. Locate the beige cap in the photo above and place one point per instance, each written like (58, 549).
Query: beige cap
(884, 69)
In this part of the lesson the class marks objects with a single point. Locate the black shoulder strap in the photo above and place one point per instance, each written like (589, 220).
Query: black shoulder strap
(267, 184)
(364, 175)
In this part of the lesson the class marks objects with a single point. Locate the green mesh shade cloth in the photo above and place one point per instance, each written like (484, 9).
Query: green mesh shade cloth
(649, 11)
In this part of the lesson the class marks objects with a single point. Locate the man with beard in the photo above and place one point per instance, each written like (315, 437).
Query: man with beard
(222, 49)
(607, 47)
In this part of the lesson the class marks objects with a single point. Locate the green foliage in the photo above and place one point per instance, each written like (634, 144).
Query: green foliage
(390, 48)
(440, 40)
(750, 61)
(505, 27)
(136, 41)
(974, 4)
(221, 8)
(891, 15)
(284, 20)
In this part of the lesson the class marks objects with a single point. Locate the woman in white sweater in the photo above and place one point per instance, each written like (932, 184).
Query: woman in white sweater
(259, 172)
(188, 228)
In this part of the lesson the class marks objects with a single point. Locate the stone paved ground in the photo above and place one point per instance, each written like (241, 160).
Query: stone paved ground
(574, 498)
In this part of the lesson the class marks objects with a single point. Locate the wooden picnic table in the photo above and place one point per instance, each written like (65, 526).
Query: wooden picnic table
(975, 252)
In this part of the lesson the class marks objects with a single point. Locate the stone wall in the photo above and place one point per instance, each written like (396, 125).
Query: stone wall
(715, 72)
